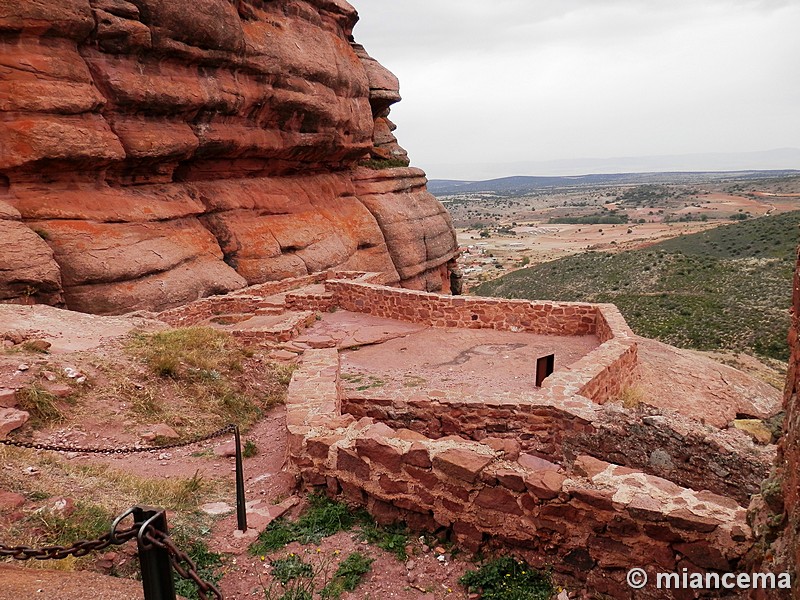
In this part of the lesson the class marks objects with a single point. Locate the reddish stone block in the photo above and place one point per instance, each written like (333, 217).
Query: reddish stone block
(562, 512)
(545, 484)
(704, 554)
(319, 447)
(594, 498)
(645, 508)
(407, 434)
(589, 466)
(461, 464)
(392, 486)
(529, 502)
(511, 480)
(457, 492)
(498, 499)
(418, 456)
(380, 452)
(425, 478)
(349, 462)
(662, 533)
(468, 535)
(535, 463)
(383, 512)
(352, 493)
(553, 525)
(683, 519)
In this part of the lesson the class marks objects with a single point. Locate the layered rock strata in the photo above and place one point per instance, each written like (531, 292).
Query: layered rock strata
(153, 152)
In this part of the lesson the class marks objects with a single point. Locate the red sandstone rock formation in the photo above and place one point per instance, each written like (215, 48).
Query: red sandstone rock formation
(776, 512)
(154, 151)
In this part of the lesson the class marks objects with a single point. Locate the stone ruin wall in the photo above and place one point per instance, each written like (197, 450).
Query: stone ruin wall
(153, 152)
(591, 523)
(568, 479)
(566, 417)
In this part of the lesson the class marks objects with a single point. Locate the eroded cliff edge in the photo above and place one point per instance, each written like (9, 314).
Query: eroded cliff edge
(775, 513)
(154, 151)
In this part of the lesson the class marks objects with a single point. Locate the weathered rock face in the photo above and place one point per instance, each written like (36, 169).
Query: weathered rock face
(775, 513)
(153, 152)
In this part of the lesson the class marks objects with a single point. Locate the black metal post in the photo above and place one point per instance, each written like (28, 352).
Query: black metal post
(241, 507)
(155, 563)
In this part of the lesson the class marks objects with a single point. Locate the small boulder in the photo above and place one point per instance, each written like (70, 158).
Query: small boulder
(10, 501)
(8, 398)
(226, 450)
(37, 346)
(162, 430)
(11, 419)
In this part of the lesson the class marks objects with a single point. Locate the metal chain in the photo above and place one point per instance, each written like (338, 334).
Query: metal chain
(79, 548)
(179, 558)
(124, 450)
(182, 563)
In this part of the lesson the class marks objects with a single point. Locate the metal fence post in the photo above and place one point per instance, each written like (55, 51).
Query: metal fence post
(155, 562)
(241, 507)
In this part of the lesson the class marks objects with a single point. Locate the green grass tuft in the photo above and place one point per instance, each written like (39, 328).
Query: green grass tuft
(348, 575)
(508, 579)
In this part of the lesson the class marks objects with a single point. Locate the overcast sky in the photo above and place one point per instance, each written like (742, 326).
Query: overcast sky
(486, 83)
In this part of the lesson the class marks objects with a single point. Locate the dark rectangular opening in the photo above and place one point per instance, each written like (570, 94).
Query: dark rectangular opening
(544, 368)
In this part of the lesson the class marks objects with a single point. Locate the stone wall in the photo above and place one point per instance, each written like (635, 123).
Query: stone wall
(437, 310)
(590, 520)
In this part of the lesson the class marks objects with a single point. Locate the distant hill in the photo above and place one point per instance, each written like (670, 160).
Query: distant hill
(725, 288)
(526, 184)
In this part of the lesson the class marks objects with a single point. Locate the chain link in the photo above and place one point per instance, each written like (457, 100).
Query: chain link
(124, 450)
(79, 548)
(182, 563)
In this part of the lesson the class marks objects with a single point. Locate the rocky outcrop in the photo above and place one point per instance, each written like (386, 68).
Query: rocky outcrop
(153, 152)
(775, 513)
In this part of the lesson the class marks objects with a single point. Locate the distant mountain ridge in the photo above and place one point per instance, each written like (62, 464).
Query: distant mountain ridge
(523, 183)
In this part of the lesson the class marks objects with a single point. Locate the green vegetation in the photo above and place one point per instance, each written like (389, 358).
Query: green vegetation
(388, 163)
(727, 288)
(87, 522)
(392, 538)
(205, 368)
(324, 518)
(607, 218)
(296, 579)
(250, 449)
(645, 195)
(508, 579)
(348, 575)
(41, 405)
(209, 568)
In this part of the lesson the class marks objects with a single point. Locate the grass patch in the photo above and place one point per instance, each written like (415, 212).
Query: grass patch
(204, 379)
(508, 579)
(727, 288)
(42, 406)
(348, 575)
(323, 518)
(209, 568)
(192, 353)
(392, 538)
(250, 449)
(87, 521)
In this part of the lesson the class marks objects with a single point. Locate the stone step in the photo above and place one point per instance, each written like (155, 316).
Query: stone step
(274, 328)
